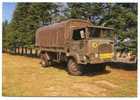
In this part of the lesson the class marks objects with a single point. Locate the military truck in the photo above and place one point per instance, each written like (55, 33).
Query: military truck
(76, 42)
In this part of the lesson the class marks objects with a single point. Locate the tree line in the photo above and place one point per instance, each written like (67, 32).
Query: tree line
(28, 17)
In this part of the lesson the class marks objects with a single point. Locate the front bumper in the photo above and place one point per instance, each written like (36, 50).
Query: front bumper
(102, 58)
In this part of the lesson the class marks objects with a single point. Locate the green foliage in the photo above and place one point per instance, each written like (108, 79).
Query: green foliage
(84, 11)
(27, 18)
(4, 26)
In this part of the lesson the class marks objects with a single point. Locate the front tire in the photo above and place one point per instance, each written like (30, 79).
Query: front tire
(74, 68)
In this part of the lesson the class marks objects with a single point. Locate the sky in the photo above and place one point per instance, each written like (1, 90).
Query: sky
(7, 11)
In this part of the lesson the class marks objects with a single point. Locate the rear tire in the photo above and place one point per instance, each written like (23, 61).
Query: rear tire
(74, 68)
(44, 61)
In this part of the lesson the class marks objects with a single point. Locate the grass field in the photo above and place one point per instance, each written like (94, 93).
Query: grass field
(24, 76)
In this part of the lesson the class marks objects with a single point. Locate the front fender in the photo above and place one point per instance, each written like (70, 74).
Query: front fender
(75, 56)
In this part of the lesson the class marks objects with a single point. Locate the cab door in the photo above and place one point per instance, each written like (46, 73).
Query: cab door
(78, 41)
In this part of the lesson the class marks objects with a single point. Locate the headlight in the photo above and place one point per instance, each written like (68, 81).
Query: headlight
(84, 58)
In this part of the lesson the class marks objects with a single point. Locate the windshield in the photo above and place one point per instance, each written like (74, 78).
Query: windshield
(100, 33)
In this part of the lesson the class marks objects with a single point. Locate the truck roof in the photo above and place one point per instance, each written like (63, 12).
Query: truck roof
(62, 23)
(102, 27)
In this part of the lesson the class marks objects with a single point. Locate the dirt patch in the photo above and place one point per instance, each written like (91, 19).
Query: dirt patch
(89, 88)
(107, 83)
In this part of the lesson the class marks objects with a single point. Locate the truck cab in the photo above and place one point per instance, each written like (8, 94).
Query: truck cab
(91, 45)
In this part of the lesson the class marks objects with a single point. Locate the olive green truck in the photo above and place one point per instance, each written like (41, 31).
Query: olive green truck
(76, 42)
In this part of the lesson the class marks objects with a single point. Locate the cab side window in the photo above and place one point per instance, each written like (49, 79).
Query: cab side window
(78, 34)
(95, 32)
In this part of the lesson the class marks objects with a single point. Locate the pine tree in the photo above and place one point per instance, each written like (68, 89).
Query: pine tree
(27, 18)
